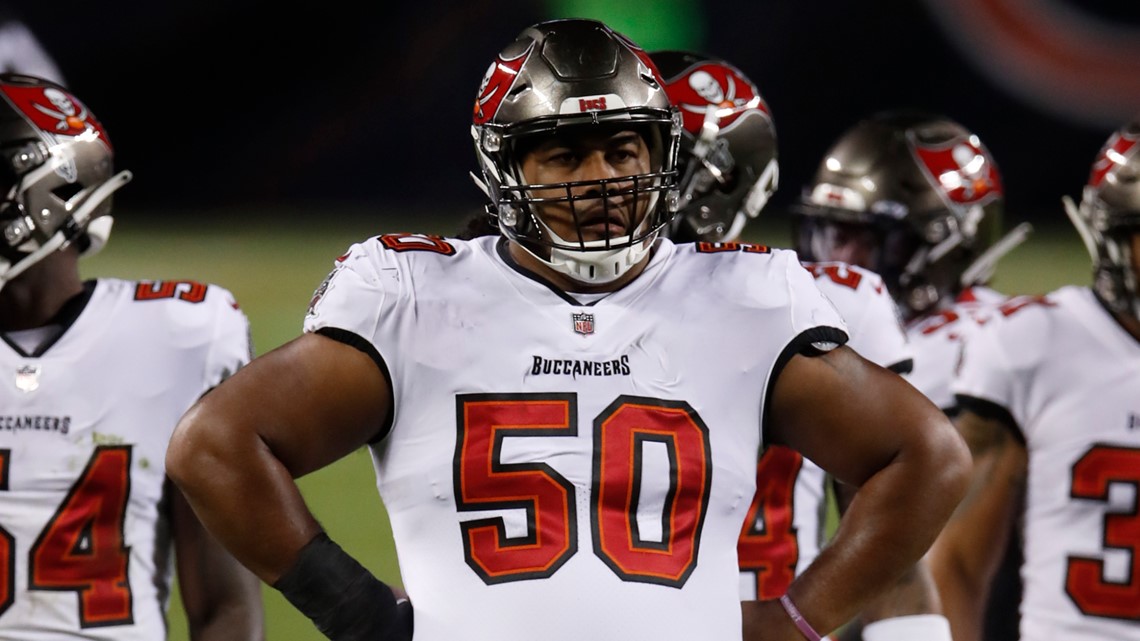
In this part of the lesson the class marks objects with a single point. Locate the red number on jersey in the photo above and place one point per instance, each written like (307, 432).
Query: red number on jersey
(484, 482)
(1019, 303)
(417, 242)
(620, 434)
(186, 290)
(839, 275)
(81, 548)
(748, 248)
(7, 547)
(1096, 471)
(771, 551)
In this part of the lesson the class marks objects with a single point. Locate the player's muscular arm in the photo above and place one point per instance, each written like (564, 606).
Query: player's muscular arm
(221, 597)
(289, 412)
(966, 555)
(913, 594)
(876, 432)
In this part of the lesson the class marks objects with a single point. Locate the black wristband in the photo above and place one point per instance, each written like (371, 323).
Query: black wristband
(343, 599)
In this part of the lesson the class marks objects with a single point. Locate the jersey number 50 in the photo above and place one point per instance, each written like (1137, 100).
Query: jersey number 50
(622, 432)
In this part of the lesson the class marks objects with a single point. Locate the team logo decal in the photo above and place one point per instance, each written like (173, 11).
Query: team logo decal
(583, 323)
(320, 292)
(713, 84)
(963, 170)
(1115, 152)
(54, 111)
(496, 83)
(28, 378)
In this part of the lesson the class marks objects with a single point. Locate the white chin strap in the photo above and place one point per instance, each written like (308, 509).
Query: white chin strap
(595, 265)
(599, 267)
(738, 222)
(98, 230)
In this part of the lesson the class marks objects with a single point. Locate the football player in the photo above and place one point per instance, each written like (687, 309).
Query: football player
(918, 199)
(564, 449)
(1050, 397)
(97, 374)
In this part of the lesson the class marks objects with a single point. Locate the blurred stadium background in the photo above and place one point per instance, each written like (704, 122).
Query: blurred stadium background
(266, 138)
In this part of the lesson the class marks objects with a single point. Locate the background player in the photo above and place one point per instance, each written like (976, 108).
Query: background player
(98, 373)
(1049, 394)
(918, 198)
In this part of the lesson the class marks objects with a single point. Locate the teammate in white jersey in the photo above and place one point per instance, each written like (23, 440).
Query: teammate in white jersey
(564, 448)
(1051, 387)
(95, 376)
(729, 171)
(918, 199)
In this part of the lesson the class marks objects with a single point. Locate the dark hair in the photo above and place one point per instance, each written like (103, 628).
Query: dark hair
(481, 224)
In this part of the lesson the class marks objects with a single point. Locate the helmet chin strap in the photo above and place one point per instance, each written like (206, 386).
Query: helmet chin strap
(1122, 295)
(738, 222)
(1080, 217)
(9, 272)
(595, 265)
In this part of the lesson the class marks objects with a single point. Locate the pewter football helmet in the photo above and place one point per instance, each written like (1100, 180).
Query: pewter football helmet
(727, 164)
(1108, 216)
(560, 77)
(917, 198)
(56, 174)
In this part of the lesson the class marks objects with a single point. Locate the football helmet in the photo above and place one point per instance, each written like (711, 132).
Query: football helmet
(56, 175)
(563, 76)
(727, 162)
(1108, 216)
(915, 197)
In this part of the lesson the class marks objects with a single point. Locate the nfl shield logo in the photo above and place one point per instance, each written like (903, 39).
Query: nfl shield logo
(583, 323)
(28, 378)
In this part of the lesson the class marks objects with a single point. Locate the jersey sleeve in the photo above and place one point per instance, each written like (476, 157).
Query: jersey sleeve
(353, 298)
(872, 318)
(998, 363)
(231, 347)
(876, 328)
(814, 317)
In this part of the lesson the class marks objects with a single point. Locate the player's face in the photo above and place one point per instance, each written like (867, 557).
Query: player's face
(849, 243)
(598, 155)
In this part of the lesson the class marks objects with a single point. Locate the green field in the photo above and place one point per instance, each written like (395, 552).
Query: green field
(273, 265)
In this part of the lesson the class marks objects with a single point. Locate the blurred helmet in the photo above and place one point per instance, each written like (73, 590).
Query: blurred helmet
(565, 76)
(55, 174)
(1108, 216)
(727, 163)
(915, 197)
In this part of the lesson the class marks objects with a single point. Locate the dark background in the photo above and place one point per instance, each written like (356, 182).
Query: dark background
(270, 106)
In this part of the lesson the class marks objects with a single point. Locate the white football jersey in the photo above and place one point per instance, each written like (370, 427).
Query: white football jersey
(84, 426)
(784, 528)
(937, 341)
(600, 456)
(1069, 377)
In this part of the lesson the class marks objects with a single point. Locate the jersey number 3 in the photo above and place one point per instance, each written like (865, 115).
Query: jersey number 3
(1099, 468)
(623, 434)
(81, 548)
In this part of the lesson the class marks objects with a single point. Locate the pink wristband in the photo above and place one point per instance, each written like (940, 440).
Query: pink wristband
(801, 624)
